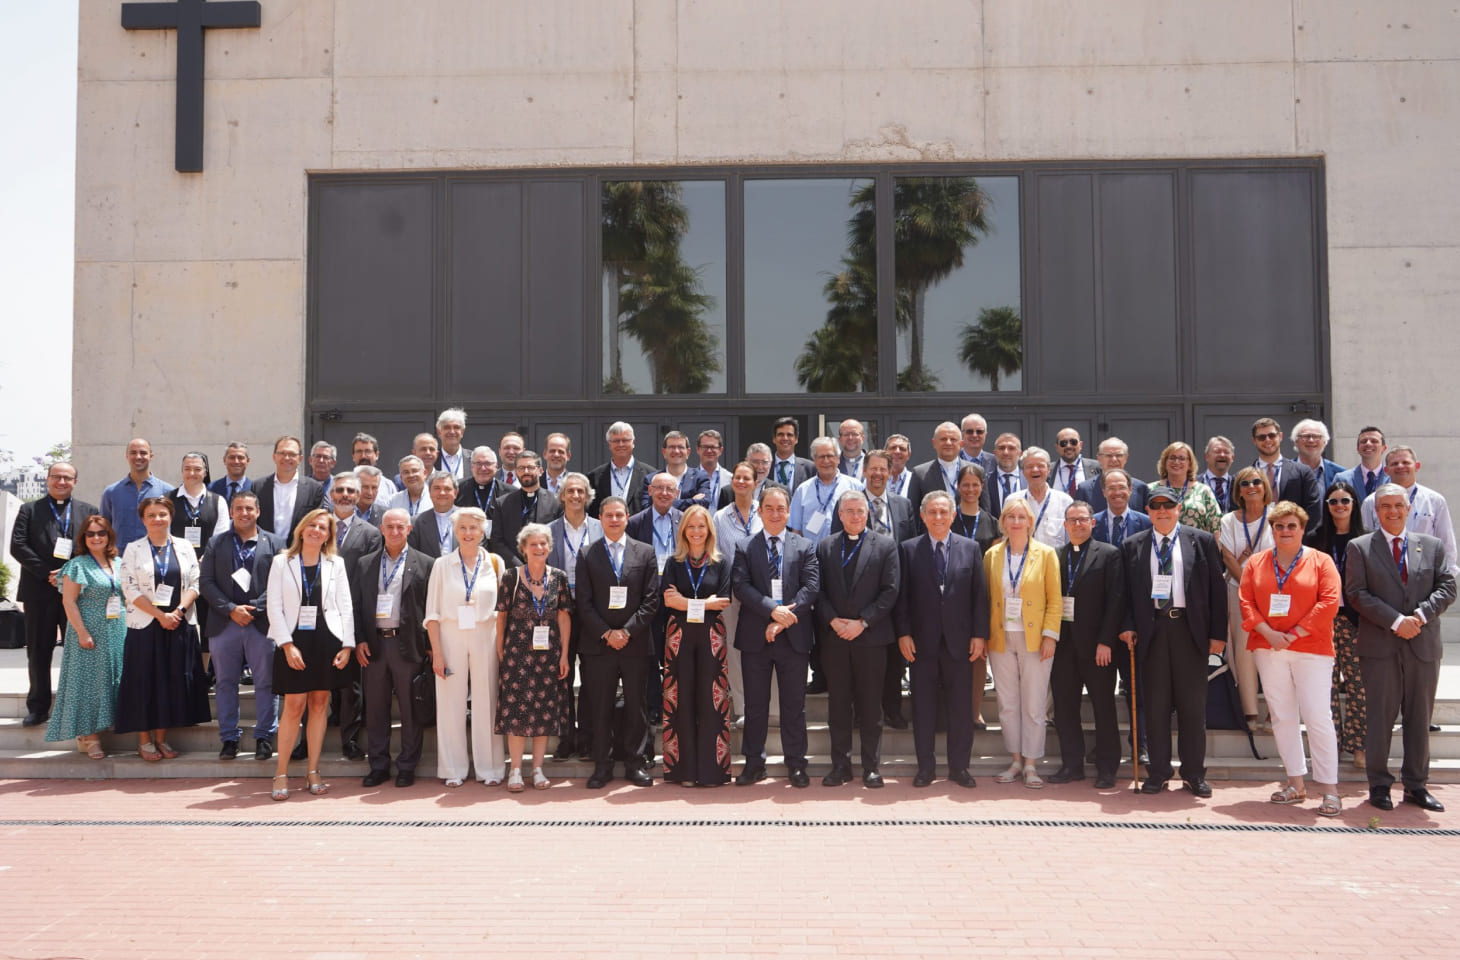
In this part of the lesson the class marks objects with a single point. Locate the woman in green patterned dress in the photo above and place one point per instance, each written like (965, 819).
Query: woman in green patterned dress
(96, 630)
(1199, 507)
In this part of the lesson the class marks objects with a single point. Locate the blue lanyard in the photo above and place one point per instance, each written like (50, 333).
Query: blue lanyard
(694, 581)
(110, 577)
(745, 521)
(1282, 578)
(667, 543)
(568, 543)
(242, 555)
(1048, 496)
(491, 495)
(621, 489)
(63, 525)
(446, 459)
(1248, 533)
(387, 579)
(192, 514)
(1163, 557)
(816, 492)
(616, 565)
(898, 485)
(414, 508)
(539, 607)
(477, 570)
(1016, 576)
(714, 487)
(528, 507)
(166, 560)
(306, 583)
(950, 482)
(849, 557)
(1072, 564)
(966, 526)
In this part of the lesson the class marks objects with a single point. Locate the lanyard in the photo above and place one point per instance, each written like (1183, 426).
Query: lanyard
(821, 503)
(1282, 578)
(621, 488)
(568, 543)
(1072, 564)
(470, 586)
(1048, 496)
(950, 482)
(166, 560)
(109, 576)
(63, 525)
(694, 581)
(666, 543)
(527, 507)
(968, 526)
(414, 508)
(242, 554)
(1248, 533)
(491, 495)
(715, 486)
(744, 521)
(1163, 557)
(616, 564)
(539, 607)
(446, 459)
(849, 557)
(305, 582)
(386, 579)
(898, 485)
(192, 514)
(1016, 575)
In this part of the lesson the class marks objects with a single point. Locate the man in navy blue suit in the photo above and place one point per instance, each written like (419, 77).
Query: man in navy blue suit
(942, 620)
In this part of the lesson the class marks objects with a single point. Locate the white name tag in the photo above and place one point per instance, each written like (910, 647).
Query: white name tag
(466, 617)
(618, 598)
(162, 596)
(307, 617)
(1067, 609)
(1013, 615)
(243, 578)
(815, 523)
(62, 549)
(194, 536)
(384, 606)
(487, 533)
(1279, 605)
(113, 607)
(540, 639)
(662, 561)
(1161, 586)
(696, 612)
(776, 590)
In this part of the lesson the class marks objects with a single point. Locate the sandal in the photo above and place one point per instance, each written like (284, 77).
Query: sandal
(147, 751)
(539, 780)
(1032, 779)
(1331, 806)
(317, 786)
(166, 750)
(1009, 775)
(1288, 795)
(91, 747)
(454, 782)
(514, 782)
(280, 793)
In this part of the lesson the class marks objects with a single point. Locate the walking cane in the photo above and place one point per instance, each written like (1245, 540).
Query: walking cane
(1135, 734)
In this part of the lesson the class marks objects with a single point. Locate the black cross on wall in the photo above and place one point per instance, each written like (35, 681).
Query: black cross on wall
(190, 18)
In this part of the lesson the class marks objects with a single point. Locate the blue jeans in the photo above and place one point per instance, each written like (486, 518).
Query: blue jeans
(229, 648)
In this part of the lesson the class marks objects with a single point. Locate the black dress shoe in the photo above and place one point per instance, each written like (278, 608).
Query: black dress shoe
(1379, 797)
(565, 749)
(980, 725)
(33, 720)
(405, 778)
(753, 773)
(1423, 799)
(963, 778)
(799, 779)
(924, 778)
(1434, 728)
(872, 780)
(817, 685)
(375, 778)
(229, 751)
(836, 777)
(896, 721)
(599, 779)
(1105, 781)
(1153, 786)
(352, 751)
(300, 751)
(1144, 756)
(638, 777)
(1199, 787)
(263, 748)
(1065, 775)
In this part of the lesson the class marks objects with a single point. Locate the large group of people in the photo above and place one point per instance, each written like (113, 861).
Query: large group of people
(641, 612)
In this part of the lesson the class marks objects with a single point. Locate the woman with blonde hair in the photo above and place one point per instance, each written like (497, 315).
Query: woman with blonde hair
(1199, 507)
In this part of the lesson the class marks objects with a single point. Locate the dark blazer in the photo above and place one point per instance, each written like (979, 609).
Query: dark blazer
(900, 510)
(1374, 588)
(928, 476)
(1093, 493)
(360, 540)
(1298, 483)
(365, 588)
(954, 616)
(1099, 592)
(600, 478)
(640, 574)
(805, 470)
(875, 583)
(1134, 523)
(694, 483)
(1354, 477)
(309, 495)
(472, 494)
(210, 507)
(641, 525)
(995, 491)
(220, 486)
(1057, 472)
(750, 579)
(508, 521)
(424, 535)
(33, 539)
(1206, 592)
(222, 593)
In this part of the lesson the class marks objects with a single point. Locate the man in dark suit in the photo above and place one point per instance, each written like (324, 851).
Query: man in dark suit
(44, 537)
(286, 496)
(1093, 587)
(235, 466)
(942, 619)
(233, 582)
(1072, 469)
(617, 594)
(369, 504)
(388, 588)
(859, 585)
(941, 472)
(1112, 455)
(787, 469)
(521, 505)
(776, 578)
(975, 431)
(1218, 455)
(1400, 582)
(354, 538)
(482, 487)
(1290, 479)
(623, 475)
(1176, 615)
(1006, 477)
(431, 532)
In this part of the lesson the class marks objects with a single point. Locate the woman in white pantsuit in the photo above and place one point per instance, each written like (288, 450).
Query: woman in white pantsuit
(461, 620)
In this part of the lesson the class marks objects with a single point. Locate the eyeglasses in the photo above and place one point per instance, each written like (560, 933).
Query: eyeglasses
(1068, 443)
(1250, 483)
(1286, 527)
(1307, 436)
(1264, 436)
(975, 432)
(1079, 520)
(1339, 501)
(100, 534)
(1163, 505)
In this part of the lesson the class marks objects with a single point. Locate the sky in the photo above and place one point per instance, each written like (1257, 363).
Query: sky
(38, 199)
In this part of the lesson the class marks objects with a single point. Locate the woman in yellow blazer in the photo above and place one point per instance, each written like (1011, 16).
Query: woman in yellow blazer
(1024, 622)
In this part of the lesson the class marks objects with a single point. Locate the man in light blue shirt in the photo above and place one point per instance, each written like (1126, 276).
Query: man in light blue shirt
(814, 503)
(119, 501)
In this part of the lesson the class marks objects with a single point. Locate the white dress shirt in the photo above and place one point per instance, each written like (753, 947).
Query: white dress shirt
(1178, 567)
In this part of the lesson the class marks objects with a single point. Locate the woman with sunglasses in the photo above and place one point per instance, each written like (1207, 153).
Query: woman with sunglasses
(1341, 523)
(1244, 532)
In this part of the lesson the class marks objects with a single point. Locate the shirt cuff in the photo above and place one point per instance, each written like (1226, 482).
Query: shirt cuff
(1421, 614)
(1052, 635)
(1394, 627)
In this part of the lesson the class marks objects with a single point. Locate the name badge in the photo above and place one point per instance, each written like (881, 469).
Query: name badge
(696, 612)
(487, 532)
(1161, 586)
(466, 617)
(62, 549)
(384, 606)
(194, 536)
(113, 607)
(162, 596)
(815, 523)
(243, 578)
(1067, 609)
(1013, 613)
(307, 617)
(1279, 604)
(618, 598)
(776, 590)
(662, 561)
(540, 639)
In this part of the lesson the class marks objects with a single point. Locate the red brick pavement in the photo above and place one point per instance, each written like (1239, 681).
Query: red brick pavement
(188, 882)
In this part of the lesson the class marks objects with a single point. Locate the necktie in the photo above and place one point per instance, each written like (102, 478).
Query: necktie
(879, 515)
(1371, 481)
(783, 473)
(341, 530)
(618, 555)
(1163, 567)
(232, 489)
(776, 556)
(1070, 487)
(940, 560)
(1272, 475)
(511, 480)
(1119, 529)
(1221, 490)
(1399, 561)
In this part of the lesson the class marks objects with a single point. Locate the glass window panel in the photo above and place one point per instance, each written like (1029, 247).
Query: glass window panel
(663, 286)
(956, 250)
(810, 286)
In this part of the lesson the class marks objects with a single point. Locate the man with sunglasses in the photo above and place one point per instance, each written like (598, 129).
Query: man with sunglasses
(1290, 479)
(1073, 469)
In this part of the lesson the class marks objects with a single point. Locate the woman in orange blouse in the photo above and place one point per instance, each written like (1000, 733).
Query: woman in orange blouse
(1289, 598)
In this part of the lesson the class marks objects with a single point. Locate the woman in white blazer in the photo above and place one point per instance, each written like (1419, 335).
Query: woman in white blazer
(163, 684)
(312, 624)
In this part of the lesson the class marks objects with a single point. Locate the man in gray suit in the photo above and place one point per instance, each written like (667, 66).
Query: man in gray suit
(1399, 582)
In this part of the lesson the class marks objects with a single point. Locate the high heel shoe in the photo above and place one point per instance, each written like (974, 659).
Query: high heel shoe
(280, 793)
(317, 786)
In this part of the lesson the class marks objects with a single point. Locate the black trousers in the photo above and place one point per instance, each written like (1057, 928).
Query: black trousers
(1131, 683)
(350, 707)
(892, 682)
(44, 619)
(854, 674)
(1074, 670)
(1175, 678)
(389, 675)
(934, 671)
(790, 673)
(602, 673)
(1399, 686)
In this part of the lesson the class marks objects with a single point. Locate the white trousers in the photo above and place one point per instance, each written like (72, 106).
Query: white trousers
(1022, 682)
(471, 656)
(1244, 668)
(1298, 686)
